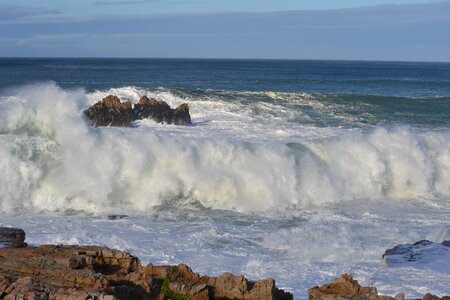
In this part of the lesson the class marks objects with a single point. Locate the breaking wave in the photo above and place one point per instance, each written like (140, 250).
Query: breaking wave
(52, 161)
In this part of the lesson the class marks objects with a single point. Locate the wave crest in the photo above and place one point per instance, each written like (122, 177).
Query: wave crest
(52, 161)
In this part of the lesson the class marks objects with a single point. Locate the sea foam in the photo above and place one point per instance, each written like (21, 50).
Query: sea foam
(52, 161)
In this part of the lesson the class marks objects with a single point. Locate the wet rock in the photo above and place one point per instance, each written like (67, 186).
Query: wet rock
(422, 252)
(181, 115)
(161, 112)
(125, 105)
(345, 287)
(112, 112)
(111, 102)
(117, 217)
(145, 107)
(12, 238)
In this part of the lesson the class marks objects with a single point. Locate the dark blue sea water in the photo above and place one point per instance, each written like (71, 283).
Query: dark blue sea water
(374, 92)
(400, 79)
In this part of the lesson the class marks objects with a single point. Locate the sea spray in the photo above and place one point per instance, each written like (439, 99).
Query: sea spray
(53, 161)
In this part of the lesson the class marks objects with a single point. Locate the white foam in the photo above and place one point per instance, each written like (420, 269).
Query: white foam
(233, 163)
(308, 248)
(327, 200)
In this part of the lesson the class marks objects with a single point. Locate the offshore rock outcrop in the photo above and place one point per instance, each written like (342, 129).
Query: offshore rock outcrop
(92, 272)
(110, 111)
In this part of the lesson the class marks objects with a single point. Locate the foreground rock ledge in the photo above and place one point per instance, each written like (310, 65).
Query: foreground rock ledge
(110, 111)
(90, 272)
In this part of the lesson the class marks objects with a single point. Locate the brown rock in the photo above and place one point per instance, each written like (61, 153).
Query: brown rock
(159, 111)
(433, 297)
(144, 101)
(126, 105)
(154, 103)
(181, 115)
(345, 287)
(195, 291)
(90, 272)
(111, 102)
(54, 270)
(227, 286)
(264, 289)
(111, 112)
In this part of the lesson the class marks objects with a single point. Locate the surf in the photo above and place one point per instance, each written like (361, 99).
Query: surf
(53, 161)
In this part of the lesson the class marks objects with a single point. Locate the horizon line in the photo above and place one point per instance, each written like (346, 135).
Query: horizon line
(224, 58)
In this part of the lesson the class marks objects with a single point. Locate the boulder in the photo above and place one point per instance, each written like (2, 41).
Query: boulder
(110, 111)
(345, 287)
(111, 102)
(181, 115)
(12, 238)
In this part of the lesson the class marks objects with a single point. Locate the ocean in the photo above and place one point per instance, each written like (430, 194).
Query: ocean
(296, 170)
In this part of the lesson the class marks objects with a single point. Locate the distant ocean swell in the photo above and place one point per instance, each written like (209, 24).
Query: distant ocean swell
(52, 161)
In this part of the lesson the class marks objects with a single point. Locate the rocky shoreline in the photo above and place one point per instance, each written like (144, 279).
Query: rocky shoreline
(93, 272)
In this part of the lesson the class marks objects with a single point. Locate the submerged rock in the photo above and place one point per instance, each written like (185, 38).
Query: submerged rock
(12, 238)
(117, 217)
(110, 111)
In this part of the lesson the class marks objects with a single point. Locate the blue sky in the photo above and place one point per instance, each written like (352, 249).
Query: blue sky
(286, 29)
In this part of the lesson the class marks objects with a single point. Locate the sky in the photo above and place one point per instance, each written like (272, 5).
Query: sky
(406, 30)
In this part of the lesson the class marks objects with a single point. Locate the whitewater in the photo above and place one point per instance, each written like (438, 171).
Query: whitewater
(296, 186)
